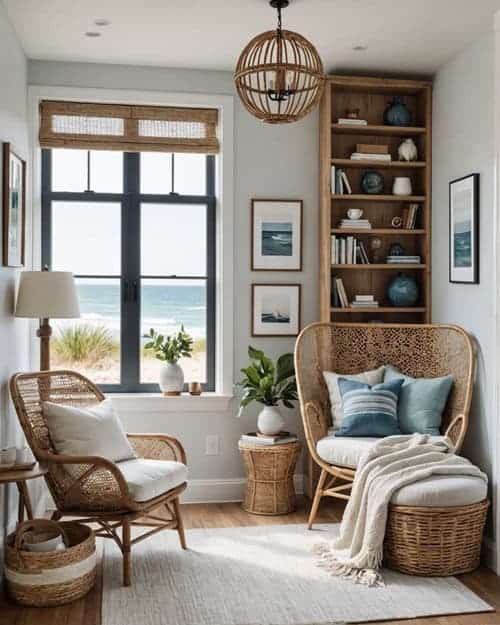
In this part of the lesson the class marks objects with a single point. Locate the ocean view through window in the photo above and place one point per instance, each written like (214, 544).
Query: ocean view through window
(138, 232)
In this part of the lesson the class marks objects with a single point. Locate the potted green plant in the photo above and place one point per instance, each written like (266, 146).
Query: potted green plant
(169, 349)
(269, 384)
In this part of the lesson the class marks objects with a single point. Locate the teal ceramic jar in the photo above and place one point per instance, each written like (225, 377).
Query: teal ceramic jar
(396, 114)
(372, 182)
(402, 291)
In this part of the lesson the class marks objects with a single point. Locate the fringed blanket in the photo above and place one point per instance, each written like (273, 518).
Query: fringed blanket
(392, 463)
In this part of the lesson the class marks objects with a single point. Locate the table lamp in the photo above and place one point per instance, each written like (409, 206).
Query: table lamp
(44, 295)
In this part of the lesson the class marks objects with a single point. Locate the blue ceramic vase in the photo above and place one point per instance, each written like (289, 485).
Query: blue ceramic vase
(396, 114)
(402, 291)
(372, 182)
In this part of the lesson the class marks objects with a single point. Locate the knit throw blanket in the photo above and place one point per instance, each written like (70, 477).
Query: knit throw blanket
(392, 463)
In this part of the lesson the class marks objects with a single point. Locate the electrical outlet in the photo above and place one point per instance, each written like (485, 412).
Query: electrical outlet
(212, 445)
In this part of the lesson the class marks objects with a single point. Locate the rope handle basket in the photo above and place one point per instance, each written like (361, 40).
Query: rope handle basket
(38, 526)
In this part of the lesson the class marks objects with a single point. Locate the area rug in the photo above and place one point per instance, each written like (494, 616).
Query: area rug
(261, 575)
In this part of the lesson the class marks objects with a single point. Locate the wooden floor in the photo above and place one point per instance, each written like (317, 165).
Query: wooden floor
(88, 610)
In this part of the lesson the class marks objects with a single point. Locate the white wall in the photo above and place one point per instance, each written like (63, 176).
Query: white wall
(464, 143)
(270, 161)
(14, 342)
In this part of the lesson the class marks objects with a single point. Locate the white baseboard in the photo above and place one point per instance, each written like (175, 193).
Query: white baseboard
(224, 490)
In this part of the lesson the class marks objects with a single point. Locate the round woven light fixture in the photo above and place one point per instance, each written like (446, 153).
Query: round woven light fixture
(279, 76)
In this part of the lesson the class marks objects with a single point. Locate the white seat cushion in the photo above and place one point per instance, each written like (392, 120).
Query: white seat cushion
(442, 491)
(147, 479)
(343, 451)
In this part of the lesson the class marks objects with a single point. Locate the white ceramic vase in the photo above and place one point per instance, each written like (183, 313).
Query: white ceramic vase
(270, 421)
(402, 186)
(171, 378)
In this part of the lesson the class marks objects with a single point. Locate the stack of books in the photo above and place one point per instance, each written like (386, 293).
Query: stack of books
(262, 439)
(403, 260)
(339, 294)
(364, 301)
(349, 121)
(410, 217)
(355, 224)
(348, 251)
(340, 182)
(361, 156)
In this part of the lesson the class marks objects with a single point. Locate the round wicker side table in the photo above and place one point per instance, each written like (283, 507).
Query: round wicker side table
(270, 470)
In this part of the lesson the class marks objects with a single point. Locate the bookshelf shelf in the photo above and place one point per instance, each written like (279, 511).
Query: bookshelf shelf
(375, 129)
(363, 197)
(375, 232)
(380, 267)
(378, 309)
(372, 164)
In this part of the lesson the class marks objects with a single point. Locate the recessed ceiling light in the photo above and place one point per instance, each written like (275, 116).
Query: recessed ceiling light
(92, 33)
(102, 22)
(360, 48)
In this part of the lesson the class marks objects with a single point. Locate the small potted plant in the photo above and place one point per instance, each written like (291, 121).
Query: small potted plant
(269, 384)
(169, 349)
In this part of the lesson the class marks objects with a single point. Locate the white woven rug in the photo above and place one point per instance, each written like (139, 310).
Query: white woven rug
(265, 575)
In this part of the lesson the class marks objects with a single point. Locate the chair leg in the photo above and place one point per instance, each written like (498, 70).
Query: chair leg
(56, 515)
(317, 498)
(180, 523)
(126, 551)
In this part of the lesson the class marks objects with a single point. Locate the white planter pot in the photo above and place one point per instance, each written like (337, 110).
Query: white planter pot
(171, 379)
(270, 421)
(402, 186)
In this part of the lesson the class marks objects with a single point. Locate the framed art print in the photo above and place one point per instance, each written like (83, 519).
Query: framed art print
(464, 229)
(276, 235)
(275, 309)
(14, 207)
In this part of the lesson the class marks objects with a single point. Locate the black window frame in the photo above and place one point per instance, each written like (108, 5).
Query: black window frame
(131, 199)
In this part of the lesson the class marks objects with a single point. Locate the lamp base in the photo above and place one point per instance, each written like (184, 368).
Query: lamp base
(44, 333)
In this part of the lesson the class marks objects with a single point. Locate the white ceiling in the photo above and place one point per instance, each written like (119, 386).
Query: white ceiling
(414, 36)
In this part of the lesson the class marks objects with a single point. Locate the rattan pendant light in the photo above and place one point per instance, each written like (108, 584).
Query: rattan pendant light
(279, 76)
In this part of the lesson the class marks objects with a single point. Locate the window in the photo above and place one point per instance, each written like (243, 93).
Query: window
(138, 232)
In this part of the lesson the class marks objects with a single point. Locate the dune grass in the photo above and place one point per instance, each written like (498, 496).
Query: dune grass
(85, 344)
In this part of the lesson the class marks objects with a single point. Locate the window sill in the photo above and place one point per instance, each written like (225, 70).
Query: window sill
(154, 402)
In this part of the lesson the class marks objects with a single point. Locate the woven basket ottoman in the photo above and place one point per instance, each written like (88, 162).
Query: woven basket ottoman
(435, 527)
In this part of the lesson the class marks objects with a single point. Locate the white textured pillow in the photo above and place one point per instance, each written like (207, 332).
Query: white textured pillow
(368, 377)
(89, 431)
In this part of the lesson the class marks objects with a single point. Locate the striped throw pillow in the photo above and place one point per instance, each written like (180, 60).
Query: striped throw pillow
(369, 410)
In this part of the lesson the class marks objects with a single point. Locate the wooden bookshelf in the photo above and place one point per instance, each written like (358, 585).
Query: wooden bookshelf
(337, 143)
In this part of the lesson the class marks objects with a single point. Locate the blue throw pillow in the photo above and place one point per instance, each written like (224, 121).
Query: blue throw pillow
(421, 401)
(369, 410)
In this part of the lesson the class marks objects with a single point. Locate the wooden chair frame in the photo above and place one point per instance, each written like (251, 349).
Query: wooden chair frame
(423, 350)
(95, 491)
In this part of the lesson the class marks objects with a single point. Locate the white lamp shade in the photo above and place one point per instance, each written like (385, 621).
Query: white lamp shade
(47, 294)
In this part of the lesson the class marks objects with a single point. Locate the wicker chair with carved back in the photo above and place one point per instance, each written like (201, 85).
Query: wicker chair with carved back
(416, 350)
(95, 490)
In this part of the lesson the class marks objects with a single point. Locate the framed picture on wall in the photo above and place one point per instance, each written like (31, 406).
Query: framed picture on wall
(276, 309)
(276, 235)
(14, 207)
(464, 230)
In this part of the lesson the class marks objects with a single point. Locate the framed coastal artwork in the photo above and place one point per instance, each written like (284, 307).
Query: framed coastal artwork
(464, 230)
(276, 309)
(276, 235)
(14, 207)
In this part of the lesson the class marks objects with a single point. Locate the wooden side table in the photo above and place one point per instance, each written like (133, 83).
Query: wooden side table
(20, 478)
(270, 470)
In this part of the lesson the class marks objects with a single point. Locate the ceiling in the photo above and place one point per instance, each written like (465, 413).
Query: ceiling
(412, 36)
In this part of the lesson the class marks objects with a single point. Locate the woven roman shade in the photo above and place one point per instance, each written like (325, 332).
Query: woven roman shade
(89, 126)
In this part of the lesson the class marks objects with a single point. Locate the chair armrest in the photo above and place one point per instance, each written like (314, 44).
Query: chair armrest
(456, 431)
(315, 424)
(157, 447)
(98, 483)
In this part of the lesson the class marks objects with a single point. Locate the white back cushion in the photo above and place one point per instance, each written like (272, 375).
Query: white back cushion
(87, 431)
(376, 376)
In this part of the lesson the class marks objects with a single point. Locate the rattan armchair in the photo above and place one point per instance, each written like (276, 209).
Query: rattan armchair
(416, 350)
(95, 490)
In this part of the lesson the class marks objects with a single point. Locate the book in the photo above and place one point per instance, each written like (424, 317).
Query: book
(354, 224)
(372, 148)
(333, 179)
(364, 255)
(334, 295)
(344, 301)
(360, 156)
(339, 187)
(347, 121)
(364, 298)
(259, 439)
(364, 304)
(345, 182)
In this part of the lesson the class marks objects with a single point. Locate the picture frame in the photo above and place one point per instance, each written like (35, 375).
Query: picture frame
(464, 230)
(14, 208)
(276, 309)
(276, 235)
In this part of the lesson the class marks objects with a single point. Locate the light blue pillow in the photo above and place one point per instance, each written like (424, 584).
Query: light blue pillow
(421, 401)
(369, 410)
